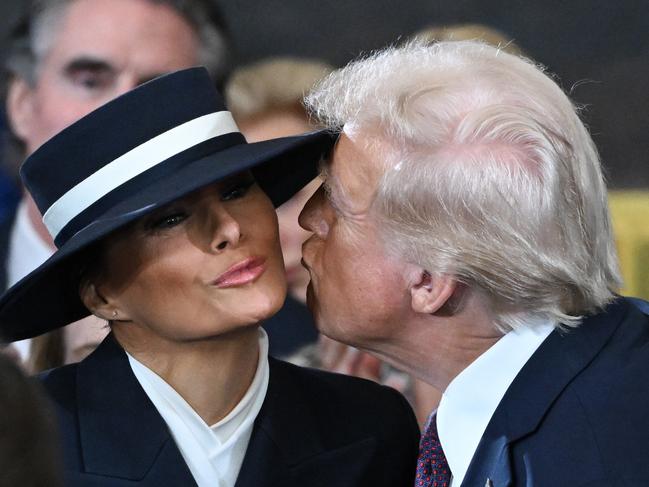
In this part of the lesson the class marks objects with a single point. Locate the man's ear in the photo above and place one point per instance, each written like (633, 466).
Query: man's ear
(98, 305)
(20, 107)
(430, 294)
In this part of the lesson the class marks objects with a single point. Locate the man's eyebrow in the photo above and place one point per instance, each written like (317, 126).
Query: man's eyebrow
(332, 190)
(88, 63)
(97, 65)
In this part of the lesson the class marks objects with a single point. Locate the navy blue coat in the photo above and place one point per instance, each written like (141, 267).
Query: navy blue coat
(315, 429)
(577, 414)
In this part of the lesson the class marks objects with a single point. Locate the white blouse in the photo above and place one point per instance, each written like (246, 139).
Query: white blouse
(214, 454)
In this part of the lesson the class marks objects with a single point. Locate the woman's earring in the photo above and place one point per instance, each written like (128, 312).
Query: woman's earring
(114, 314)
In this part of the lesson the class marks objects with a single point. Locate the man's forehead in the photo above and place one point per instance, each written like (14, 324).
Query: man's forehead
(352, 172)
(103, 29)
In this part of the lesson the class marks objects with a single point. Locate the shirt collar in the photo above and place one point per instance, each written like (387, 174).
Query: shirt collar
(472, 397)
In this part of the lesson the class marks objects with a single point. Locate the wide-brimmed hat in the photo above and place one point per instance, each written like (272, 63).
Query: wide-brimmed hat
(146, 148)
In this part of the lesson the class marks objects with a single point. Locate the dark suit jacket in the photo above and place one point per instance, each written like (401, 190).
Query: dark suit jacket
(315, 429)
(578, 412)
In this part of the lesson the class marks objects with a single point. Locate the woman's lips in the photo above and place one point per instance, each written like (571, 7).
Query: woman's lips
(242, 273)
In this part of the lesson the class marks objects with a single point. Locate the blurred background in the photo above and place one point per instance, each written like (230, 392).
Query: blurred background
(599, 49)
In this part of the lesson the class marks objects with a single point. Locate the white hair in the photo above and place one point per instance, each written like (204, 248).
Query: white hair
(490, 175)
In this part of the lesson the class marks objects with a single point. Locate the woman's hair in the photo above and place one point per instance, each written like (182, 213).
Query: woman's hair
(489, 175)
(47, 351)
(273, 84)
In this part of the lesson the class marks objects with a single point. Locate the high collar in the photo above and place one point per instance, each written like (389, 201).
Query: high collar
(122, 434)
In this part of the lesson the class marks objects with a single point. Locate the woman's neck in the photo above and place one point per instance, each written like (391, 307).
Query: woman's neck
(212, 375)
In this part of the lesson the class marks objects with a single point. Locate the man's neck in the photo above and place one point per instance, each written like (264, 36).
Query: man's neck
(435, 349)
(212, 375)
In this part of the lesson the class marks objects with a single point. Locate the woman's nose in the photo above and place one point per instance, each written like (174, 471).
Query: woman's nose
(225, 230)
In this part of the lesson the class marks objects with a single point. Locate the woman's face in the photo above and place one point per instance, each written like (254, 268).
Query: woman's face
(202, 266)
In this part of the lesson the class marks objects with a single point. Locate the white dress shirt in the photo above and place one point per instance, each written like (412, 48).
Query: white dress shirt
(470, 400)
(27, 250)
(214, 454)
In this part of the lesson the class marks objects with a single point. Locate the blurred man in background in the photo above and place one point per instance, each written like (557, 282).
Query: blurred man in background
(71, 56)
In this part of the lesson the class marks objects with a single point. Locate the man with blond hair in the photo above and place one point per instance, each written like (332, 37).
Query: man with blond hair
(462, 233)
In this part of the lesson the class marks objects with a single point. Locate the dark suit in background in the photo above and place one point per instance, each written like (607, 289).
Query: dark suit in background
(315, 429)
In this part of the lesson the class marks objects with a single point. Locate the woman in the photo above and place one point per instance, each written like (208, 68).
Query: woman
(164, 231)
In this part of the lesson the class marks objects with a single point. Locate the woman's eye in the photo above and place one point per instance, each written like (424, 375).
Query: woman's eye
(169, 221)
(238, 190)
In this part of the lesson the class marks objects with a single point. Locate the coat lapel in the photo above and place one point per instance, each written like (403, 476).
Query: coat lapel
(559, 359)
(122, 435)
(286, 448)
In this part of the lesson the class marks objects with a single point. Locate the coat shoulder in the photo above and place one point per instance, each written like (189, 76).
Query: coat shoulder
(336, 398)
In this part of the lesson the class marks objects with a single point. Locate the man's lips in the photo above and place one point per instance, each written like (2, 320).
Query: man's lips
(242, 273)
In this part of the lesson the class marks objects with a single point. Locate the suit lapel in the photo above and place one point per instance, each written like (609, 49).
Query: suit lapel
(286, 448)
(121, 433)
(559, 359)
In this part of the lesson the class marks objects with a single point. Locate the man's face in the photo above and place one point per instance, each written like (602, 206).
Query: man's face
(358, 293)
(99, 50)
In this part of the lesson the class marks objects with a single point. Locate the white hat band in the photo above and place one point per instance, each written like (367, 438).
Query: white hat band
(135, 162)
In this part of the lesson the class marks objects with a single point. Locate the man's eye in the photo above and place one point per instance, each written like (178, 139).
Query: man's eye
(238, 190)
(92, 80)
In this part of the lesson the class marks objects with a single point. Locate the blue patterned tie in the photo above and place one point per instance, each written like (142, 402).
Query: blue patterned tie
(432, 467)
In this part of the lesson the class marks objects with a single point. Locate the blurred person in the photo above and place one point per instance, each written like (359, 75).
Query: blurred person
(28, 442)
(66, 58)
(469, 32)
(462, 234)
(167, 230)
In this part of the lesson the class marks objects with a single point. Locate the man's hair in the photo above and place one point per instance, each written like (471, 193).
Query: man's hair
(33, 35)
(489, 175)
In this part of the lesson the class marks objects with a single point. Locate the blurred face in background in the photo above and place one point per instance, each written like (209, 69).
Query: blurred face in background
(282, 123)
(99, 49)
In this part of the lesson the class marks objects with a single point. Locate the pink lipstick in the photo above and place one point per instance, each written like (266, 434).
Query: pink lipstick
(242, 273)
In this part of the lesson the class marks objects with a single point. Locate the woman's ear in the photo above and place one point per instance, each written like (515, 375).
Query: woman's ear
(20, 107)
(96, 302)
(431, 293)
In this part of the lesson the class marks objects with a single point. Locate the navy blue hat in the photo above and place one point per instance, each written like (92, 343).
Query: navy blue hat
(146, 148)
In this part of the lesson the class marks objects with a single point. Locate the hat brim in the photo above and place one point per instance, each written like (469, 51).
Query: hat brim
(48, 297)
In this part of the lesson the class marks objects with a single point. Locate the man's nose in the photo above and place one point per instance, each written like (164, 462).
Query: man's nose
(312, 216)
